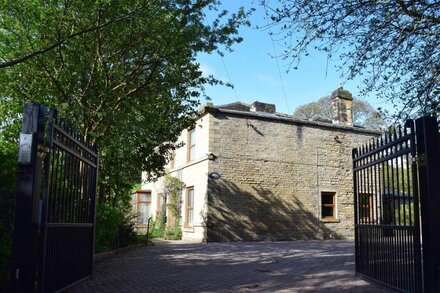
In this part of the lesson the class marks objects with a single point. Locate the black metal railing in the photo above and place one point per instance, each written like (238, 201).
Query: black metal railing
(387, 221)
(397, 188)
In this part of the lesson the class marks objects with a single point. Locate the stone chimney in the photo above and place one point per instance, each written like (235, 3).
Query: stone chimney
(263, 107)
(342, 101)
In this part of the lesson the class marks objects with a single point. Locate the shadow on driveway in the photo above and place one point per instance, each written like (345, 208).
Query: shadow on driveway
(176, 266)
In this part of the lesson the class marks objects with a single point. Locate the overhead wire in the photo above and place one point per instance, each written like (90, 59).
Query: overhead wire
(277, 62)
(230, 79)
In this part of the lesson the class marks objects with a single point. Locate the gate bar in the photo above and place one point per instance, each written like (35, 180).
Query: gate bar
(45, 199)
(429, 172)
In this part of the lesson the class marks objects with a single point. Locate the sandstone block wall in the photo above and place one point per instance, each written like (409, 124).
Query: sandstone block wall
(273, 174)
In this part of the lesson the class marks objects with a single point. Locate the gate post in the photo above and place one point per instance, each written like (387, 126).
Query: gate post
(27, 214)
(429, 174)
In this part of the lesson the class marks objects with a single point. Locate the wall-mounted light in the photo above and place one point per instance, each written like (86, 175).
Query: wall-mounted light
(212, 157)
(214, 175)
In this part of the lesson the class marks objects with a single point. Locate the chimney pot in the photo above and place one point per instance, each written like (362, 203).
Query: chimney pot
(342, 101)
(263, 107)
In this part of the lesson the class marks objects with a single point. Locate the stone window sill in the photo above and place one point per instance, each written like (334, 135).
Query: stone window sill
(188, 229)
(330, 221)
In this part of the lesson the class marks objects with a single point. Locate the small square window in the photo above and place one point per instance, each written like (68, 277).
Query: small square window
(328, 206)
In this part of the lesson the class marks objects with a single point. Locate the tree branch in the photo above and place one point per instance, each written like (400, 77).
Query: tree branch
(416, 14)
(59, 43)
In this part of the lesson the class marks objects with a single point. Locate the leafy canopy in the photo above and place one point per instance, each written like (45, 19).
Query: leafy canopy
(124, 72)
(363, 113)
(392, 44)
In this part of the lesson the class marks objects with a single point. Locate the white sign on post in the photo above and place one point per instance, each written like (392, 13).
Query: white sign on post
(25, 150)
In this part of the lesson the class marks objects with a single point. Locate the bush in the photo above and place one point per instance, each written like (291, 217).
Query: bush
(113, 228)
(159, 229)
(8, 180)
(5, 254)
(173, 233)
(156, 230)
(107, 225)
(403, 213)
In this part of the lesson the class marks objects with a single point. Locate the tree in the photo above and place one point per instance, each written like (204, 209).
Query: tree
(124, 72)
(393, 44)
(363, 113)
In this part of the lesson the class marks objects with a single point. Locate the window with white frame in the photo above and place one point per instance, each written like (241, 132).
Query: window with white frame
(189, 207)
(143, 206)
(191, 145)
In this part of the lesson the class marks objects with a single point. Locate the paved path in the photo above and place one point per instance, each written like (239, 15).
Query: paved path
(175, 266)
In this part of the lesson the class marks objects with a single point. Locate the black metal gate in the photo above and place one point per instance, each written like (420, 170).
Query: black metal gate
(396, 197)
(61, 212)
(68, 206)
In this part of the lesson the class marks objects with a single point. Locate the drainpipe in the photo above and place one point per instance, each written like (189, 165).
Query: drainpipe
(318, 224)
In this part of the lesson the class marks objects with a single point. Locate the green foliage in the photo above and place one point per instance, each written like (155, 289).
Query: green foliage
(396, 178)
(173, 233)
(392, 45)
(156, 229)
(405, 214)
(124, 72)
(8, 173)
(158, 226)
(173, 191)
(159, 229)
(363, 113)
(5, 254)
(107, 225)
(8, 167)
(166, 232)
(113, 228)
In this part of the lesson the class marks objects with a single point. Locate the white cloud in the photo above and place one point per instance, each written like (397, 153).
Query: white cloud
(206, 70)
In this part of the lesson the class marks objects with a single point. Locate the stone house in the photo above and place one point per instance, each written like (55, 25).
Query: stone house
(251, 173)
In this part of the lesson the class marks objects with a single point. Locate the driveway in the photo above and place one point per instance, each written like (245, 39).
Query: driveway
(177, 266)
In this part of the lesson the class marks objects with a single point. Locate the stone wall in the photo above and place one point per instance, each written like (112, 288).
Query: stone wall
(192, 174)
(272, 176)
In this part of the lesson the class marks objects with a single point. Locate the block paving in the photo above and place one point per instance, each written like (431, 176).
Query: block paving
(178, 266)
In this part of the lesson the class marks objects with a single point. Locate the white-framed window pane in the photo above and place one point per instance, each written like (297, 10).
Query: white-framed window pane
(190, 197)
(192, 137)
(144, 196)
(144, 212)
(190, 217)
(192, 153)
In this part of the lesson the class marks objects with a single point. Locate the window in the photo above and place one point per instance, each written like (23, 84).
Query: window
(328, 206)
(189, 207)
(143, 206)
(191, 145)
(365, 207)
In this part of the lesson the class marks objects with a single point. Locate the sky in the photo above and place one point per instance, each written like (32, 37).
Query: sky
(258, 76)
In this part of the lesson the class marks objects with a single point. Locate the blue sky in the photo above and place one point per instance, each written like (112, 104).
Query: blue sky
(255, 75)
